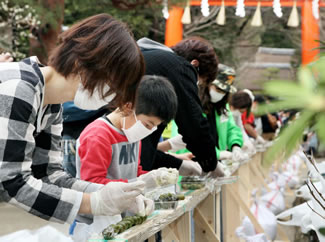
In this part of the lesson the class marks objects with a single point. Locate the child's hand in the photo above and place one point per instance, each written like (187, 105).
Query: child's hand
(185, 156)
(160, 177)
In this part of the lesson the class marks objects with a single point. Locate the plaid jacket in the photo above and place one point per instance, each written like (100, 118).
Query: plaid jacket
(31, 174)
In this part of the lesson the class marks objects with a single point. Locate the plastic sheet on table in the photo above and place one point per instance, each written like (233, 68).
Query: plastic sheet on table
(226, 180)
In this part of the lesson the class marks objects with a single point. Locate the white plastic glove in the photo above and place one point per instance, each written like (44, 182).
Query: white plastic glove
(142, 206)
(115, 197)
(225, 155)
(159, 177)
(218, 172)
(238, 155)
(176, 143)
(260, 140)
(190, 168)
(249, 147)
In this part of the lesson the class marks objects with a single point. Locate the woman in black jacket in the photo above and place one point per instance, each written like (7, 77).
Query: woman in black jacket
(183, 65)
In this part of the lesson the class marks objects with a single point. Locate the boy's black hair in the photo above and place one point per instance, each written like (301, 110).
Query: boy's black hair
(240, 100)
(156, 97)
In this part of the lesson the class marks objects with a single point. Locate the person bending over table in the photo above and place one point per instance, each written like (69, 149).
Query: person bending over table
(85, 68)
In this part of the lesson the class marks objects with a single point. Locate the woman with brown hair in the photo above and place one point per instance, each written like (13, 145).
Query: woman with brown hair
(85, 68)
(189, 61)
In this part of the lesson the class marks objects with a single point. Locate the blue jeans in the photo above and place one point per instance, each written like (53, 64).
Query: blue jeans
(69, 154)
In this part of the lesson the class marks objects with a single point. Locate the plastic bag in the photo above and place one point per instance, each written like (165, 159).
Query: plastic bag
(304, 192)
(293, 164)
(264, 217)
(315, 170)
(291, 179)
(273, 186)
(280, 180)
(321, 169)
(274, 201)
(250, 238)
(297, 216)
(318, 213)
(247, 227)
(317, 202)
(46, 233)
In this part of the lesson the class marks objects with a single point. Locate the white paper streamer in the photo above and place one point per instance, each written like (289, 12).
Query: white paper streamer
(205, 8)
(186, 18)
(240, 9)
(293, 20)
(277, 8)
(221, 18)
(315, 5)
(165, 9)
(257, 18)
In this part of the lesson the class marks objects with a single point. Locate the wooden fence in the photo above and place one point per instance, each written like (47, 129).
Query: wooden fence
(216, 211)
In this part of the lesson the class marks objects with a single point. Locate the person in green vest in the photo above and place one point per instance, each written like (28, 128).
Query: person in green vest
(214, 99)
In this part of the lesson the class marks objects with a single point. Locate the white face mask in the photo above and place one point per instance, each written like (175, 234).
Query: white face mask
(137, 131)
(215, 96)
(83, 100)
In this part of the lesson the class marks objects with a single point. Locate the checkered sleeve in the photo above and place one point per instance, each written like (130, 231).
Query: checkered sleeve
(48, 152)
(20, 175)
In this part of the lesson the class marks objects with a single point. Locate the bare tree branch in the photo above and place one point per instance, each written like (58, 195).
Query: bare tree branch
(201, 22)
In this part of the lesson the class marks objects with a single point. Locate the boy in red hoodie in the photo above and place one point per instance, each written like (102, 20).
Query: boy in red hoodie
(109, 148)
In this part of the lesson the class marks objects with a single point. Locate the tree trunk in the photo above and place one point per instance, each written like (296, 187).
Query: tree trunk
(48, 33)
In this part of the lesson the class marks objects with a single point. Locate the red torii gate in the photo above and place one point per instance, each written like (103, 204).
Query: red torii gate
(309, 25)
